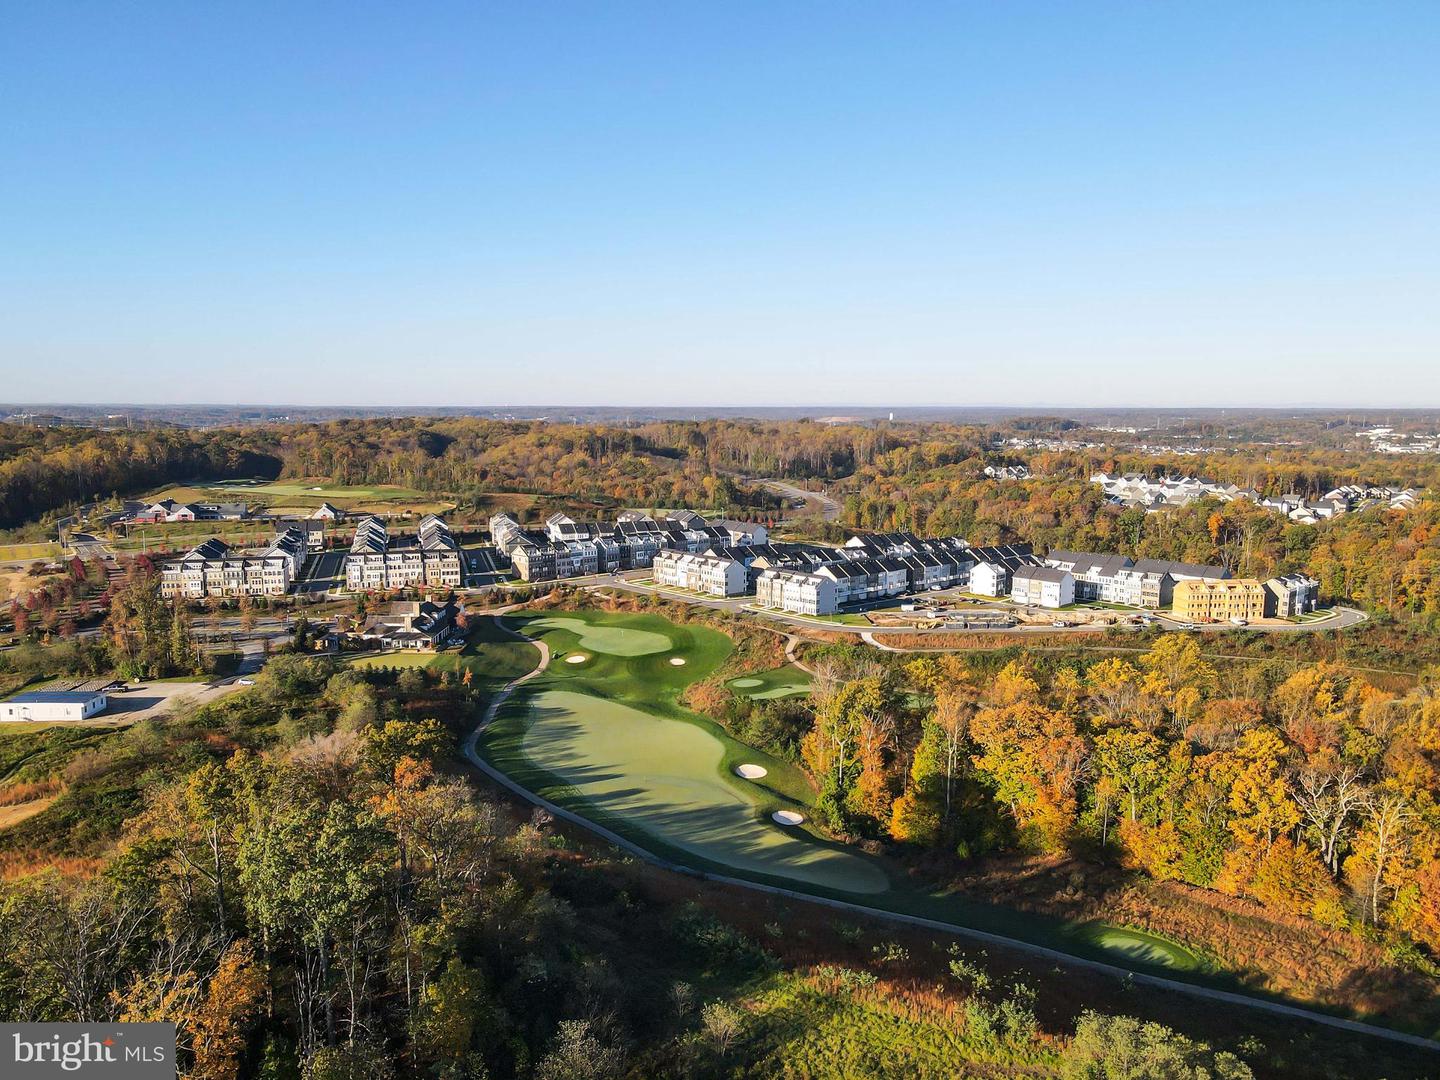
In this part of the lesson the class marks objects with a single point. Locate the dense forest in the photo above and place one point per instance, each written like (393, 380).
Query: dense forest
(1300, 787)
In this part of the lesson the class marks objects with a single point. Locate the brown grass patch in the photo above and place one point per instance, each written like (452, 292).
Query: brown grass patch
(15, 794)
(18, 864)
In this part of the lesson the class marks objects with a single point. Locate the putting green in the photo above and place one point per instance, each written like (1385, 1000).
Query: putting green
(781, 682)
(665, 777)
(1139, 947)
(612, 640)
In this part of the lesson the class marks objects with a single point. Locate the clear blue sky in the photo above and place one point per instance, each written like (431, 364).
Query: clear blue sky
(738, 203)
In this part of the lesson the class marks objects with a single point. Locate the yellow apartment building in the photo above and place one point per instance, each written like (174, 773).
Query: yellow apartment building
(1219, 601)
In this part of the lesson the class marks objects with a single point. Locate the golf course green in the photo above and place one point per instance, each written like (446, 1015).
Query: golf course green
(780, 682)
(1139, 947)
(614, 640)
(607, 738)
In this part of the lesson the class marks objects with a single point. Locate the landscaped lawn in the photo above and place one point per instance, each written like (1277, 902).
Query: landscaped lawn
(786, 681)
(398, 659)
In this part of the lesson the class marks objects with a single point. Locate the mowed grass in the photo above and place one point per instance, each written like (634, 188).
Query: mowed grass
(608, 739)
(405, 659)
(492, 655)
(780, 682)
(666, 779)
(1140, 947)
(321, 489)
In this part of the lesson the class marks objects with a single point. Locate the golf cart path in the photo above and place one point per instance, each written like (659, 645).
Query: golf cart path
(1134, 977)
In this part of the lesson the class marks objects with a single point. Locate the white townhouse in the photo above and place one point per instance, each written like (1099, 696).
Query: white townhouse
(744, 532)
(1042, 586)
(375, 562)
(505, 533)
(213, 568)
(859, 581)
(796, 591)
(714, 575)
(994, 565)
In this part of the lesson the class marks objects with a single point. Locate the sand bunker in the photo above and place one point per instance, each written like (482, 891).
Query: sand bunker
(751, 772)
(787, 817)
(677, 661)
(576, 658)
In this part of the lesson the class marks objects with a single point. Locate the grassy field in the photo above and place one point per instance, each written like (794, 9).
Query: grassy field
(28, 552)
(301, 496)
(787, 681)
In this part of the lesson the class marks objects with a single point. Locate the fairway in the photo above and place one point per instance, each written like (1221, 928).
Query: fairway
(666, 778)
(321, 489)
(611, 640)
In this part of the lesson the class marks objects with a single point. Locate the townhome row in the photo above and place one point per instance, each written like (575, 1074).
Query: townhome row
(703, 572)
(882, 565)
(215, 569)
(376, 561)
(1118, 579)
(568, 548)
(1193, 591)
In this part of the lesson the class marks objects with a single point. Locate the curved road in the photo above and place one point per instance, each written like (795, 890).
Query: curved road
(1158, 981)
(829, 508)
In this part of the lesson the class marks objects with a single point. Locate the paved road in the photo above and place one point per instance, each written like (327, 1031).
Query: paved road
(90, 547)
(1133, 977)
(829, 508)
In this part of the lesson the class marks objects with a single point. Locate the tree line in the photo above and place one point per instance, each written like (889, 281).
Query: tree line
(1314, 794)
